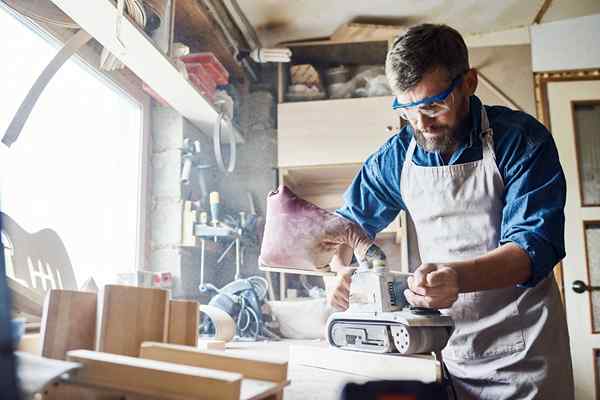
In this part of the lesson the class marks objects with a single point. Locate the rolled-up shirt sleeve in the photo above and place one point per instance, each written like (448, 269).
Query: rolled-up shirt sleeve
(535, 194)
(372, 200)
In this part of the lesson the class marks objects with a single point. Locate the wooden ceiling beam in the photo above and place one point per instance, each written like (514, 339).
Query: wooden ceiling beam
(541, 12)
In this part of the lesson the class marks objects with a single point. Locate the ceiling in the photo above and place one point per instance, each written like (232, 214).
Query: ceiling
(279, 21)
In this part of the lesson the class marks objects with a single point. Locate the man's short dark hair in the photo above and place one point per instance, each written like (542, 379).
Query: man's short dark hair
(420, 50)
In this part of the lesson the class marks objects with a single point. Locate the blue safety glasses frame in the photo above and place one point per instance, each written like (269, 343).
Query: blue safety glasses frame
(431, 106)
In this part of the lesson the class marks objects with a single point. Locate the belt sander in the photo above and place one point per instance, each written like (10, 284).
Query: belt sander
(300, 235)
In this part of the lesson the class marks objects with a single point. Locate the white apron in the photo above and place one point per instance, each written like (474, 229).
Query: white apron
(508, 343)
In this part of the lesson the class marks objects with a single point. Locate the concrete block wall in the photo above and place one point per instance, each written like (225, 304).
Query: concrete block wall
(255, 175)
(169, 130)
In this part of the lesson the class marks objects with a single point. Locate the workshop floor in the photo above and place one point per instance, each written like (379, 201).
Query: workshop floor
(307, 383)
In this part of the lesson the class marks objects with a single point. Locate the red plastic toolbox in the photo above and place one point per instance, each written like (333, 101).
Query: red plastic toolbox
(211, 64)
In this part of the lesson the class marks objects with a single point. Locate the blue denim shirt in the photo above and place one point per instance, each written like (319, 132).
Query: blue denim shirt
(527, 158)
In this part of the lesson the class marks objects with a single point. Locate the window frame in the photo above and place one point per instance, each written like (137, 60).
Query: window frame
(89, 55)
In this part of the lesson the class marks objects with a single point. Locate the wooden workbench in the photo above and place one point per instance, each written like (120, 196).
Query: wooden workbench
(310, 382)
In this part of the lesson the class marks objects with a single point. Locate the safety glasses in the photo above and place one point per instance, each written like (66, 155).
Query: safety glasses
(432, 106)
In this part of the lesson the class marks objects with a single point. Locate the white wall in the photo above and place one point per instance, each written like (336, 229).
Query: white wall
(566, 45)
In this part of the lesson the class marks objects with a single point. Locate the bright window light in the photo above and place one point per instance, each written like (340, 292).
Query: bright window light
(75, 167)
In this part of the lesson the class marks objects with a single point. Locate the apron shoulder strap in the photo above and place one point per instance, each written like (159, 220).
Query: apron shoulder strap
(410, 151)
(487, 136)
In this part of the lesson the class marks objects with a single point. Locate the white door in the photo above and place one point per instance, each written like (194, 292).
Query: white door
(575, 122)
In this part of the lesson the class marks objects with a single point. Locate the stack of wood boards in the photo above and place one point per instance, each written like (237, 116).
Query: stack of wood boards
(128, 326)
(182, 372)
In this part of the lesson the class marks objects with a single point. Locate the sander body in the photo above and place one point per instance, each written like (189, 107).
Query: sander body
(380, 320)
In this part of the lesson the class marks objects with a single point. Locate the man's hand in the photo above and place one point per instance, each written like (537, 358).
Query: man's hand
(433, 286)
(338, 289)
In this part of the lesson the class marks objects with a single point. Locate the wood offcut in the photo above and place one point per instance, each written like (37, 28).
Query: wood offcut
(68, 322)
(183, 322)
(131, 315)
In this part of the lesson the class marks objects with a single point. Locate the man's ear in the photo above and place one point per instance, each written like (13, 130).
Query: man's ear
(470, 82)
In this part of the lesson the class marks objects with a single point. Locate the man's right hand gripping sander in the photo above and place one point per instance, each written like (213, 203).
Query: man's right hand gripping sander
(300, 235)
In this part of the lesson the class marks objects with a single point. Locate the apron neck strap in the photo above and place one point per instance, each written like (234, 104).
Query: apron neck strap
(487, 140)
(410, 151)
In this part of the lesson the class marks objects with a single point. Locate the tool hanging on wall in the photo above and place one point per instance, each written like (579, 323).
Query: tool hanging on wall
(203, 221)
(221, 120)
(246, 225)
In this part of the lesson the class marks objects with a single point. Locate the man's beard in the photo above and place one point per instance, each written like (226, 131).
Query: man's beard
(446, 140)
(445, 143)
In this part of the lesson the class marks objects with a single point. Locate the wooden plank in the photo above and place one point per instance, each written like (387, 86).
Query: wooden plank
(542, 10)
(68, 322)
(131, 315)
(70, 391)
(210, 344)
(375, 366)
(344, 131)
(183, 322)
(360, 32)
(25, 299)
(252, 367)
(253, 389)
(154, 378)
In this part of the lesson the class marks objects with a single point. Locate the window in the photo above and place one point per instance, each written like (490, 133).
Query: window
(75, 168)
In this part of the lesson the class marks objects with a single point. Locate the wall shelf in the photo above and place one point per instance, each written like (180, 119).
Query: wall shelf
(139, 53)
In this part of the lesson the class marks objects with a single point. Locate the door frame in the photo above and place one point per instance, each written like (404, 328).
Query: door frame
(540, 85)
